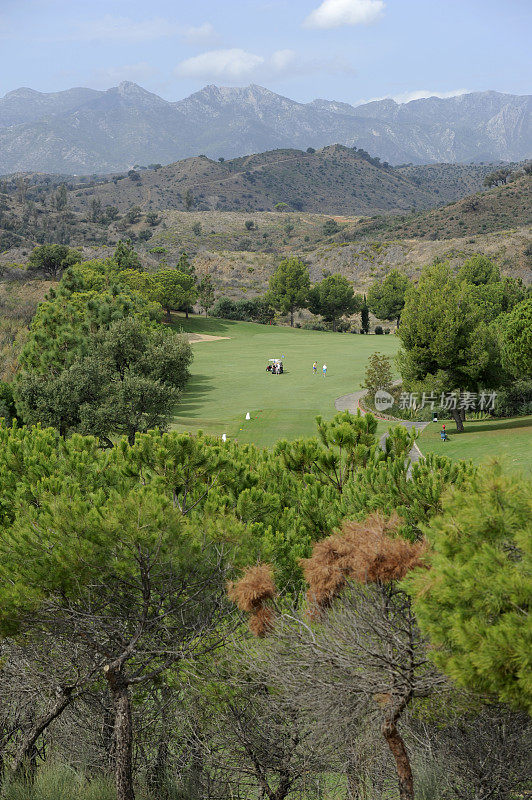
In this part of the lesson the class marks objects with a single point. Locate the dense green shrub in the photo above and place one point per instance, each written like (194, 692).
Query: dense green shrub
(51, 259)
(344, 326)
(8, 410)
(314, 326)
(255, 309)
(514, 400)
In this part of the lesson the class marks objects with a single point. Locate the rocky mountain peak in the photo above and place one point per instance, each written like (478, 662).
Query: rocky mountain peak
(55, 132)
(23, 93)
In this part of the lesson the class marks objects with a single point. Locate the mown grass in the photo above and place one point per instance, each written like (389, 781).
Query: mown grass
(507, 439)
(229, 378)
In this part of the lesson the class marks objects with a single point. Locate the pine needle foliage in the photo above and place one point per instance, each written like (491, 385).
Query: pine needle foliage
(251, 594)
(366, 552)
(474, 603)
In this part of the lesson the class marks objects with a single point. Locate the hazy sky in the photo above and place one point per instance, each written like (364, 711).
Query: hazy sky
(348, 50)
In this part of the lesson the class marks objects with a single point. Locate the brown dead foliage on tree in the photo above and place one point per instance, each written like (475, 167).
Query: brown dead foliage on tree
(251, 594)
(363, 551)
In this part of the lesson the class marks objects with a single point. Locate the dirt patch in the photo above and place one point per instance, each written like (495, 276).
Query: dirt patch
(204, 337)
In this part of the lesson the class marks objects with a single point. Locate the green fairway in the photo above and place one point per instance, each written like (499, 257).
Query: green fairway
(508, 439)
(229, 378)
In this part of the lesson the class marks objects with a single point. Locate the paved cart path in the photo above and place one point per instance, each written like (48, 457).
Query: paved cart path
(351, 402)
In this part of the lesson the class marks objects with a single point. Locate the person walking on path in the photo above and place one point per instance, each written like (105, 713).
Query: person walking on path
(324, 370)
(315, 368)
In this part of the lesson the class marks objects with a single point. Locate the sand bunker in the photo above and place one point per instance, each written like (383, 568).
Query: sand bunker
(204, 337)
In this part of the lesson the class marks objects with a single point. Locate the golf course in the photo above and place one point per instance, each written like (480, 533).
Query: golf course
(229, 378)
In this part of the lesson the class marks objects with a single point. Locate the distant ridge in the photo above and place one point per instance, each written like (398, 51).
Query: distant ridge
(333, 179)
(81, 131)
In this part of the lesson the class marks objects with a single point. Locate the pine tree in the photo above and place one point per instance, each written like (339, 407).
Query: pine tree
(124, 578)
(334, 298)
(386, 299)
(176, 290)
(474, 601)
(289, 286)
(125, 256)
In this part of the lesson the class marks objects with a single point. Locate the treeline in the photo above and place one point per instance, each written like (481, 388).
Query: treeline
(465, 338)
(463, 333)
(290, 290)
(123, 652)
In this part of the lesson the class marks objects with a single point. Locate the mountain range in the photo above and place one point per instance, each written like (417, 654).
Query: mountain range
(81, 130)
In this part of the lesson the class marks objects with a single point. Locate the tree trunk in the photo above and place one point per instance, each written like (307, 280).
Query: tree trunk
(186, 312)
(27, 746)
(334, 325)
(123, 733)
(158, 769)
(283, 790)
(458, 419)
(291, 317)
(400, 754)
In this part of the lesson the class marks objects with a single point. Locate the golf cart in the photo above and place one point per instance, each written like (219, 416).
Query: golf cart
(275, 366)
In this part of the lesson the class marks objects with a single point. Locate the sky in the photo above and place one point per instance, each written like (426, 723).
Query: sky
(347, 50)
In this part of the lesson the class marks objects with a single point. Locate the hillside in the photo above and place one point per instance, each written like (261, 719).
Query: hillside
(237, 272)
(500, 208)
(449, 182)
(336, 179)
(241, 248)
(81, 130)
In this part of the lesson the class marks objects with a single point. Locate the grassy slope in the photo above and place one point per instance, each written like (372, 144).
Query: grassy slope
(229, 378)
(509, 439)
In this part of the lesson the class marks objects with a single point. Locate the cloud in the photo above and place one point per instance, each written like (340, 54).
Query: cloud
(125, 29)
(239, 65)
(233, 64)
(418, 94)
(336, 13)
(282, 59)
(110, 76)
(406, 97)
